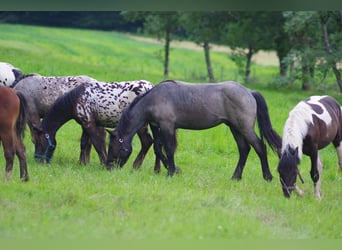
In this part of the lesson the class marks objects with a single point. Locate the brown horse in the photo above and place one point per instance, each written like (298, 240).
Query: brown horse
(12, 127)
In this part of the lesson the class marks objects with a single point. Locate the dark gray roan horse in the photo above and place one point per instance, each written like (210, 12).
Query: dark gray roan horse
(172, 104)
(312, 125)
(9, 74)
(41, 92)
(93, 105)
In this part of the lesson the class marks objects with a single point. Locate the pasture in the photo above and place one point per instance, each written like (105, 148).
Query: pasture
(66, 200)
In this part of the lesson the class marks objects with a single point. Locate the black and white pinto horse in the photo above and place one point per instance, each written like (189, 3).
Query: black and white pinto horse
(9, 74)
(93, 105)
(42, 91)
(172, 104)
(312, 125)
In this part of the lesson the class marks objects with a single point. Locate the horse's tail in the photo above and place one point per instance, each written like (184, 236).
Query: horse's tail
(264, 124)
(21, 120)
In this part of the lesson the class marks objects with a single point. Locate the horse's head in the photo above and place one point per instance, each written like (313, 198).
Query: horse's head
(45, 145)
(119, 150)
(288, 170)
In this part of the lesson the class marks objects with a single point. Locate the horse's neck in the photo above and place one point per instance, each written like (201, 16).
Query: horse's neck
(295, 131)
(136, 120)
(52, 122)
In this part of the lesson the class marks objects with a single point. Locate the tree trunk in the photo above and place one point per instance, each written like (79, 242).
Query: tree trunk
(248, 63)
(166, 53)
(329, 51)
(282, 66)
(305, 75)
(208, 61)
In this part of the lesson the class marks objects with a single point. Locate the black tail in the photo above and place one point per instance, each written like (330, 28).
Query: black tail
(21, 121)
(264, 123)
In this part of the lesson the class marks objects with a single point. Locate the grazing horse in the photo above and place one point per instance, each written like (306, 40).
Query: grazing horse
(312, 125)
(12, 127)
(93, 105)
(172, 104)
(41, 92)
(9, 74)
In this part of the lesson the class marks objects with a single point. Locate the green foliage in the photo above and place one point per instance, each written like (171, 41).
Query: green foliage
(66, 200)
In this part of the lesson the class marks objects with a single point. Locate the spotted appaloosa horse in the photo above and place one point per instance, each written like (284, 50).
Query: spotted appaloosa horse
(9, 74)
(12, 127)
(92, 105)
(312, 125)
(42, 91)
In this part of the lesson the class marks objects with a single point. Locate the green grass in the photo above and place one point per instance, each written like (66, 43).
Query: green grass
(66, 200)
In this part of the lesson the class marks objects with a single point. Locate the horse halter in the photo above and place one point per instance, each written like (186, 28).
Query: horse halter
(288, 188)
(48, 147)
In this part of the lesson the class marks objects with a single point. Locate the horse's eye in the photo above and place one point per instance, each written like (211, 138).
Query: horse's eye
(120, 140)
(47, 136)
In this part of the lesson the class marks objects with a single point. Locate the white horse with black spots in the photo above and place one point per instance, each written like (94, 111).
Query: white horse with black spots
(94, 105)
(312, 125)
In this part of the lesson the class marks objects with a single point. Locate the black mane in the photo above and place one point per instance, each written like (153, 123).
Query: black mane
(125, 116)
(64, 106)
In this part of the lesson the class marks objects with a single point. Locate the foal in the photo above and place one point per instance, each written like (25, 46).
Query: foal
(312, 125)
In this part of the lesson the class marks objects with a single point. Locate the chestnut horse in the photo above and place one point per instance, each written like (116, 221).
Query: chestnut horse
(12, 127)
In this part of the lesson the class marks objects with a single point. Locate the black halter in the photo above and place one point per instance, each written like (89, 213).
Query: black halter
(48, 147)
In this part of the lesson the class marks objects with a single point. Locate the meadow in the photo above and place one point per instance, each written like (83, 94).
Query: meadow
(66, 200)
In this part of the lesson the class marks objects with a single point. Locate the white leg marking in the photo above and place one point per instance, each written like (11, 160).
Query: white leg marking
(317, 191)
(299, 191)
(339, 155)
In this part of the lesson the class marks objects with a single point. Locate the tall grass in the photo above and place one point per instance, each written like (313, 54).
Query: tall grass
(66, 200)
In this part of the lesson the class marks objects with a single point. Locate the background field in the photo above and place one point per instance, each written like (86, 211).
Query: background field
(66, 200)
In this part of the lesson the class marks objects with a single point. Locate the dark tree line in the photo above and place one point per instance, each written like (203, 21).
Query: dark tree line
(306, 42)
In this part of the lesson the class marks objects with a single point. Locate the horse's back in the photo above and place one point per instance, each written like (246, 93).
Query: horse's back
(202, 105)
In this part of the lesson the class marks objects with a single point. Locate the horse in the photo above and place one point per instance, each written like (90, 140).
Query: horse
(173, 105)
(93, 105)
(41, 92)
(311, 125)
(9, 74)
(12, 127)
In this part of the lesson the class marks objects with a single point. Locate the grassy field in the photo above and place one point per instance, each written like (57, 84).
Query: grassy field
(65, 200)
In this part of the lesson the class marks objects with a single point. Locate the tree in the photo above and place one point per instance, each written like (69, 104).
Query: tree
(332, 41)
(303, 28)
(249, 33)
(161, 24)
(205, 28)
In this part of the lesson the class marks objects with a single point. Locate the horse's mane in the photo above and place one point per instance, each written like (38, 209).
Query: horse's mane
(21, 77)
(126, 114)
(64, 105)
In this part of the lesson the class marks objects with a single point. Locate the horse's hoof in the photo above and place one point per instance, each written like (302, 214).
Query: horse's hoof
(268, 177)
(236, 178)
(178, 170)
(25, 178)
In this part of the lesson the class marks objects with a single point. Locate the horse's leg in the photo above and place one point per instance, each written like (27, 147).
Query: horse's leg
(168, 139)
(157, 146)
(338, 147)
(9, 151)
(21, 153)
(244, 149)
(98, 138)
(260, 149)
(316, 173)
(85, 146)
(146, 142)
